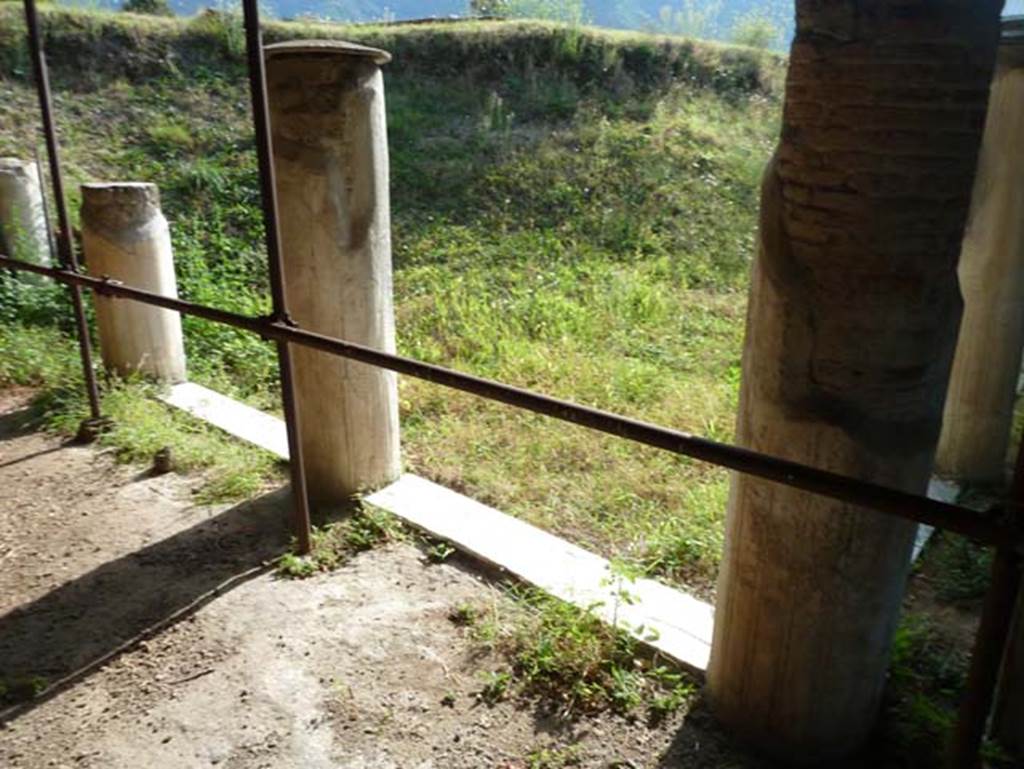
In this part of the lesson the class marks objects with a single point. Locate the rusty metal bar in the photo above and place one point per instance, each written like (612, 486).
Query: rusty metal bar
(985, 528)
(989, 649)
(268, 189)
(1003, 710)
(991, 639)
(65, 247)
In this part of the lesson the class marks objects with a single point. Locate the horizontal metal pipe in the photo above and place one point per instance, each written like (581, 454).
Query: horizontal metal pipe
(982, 527)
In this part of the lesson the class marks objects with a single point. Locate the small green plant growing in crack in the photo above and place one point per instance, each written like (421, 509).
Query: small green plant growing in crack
(463, 615)
(21, 689)
(496, 687)
(297, 566)
(927, 669)
(439, 552)
(676, 691)
(554, 757)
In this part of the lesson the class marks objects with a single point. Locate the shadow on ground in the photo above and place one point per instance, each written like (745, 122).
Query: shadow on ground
(14, 424)
(74, 630)
(71, 631)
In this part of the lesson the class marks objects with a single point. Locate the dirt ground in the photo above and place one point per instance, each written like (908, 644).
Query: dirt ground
(166, 640)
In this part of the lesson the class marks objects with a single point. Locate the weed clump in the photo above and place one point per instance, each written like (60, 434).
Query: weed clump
(926, 674)
(14, 691)
(334, 545)
(963, 569)
(572, 659)
(555, 757)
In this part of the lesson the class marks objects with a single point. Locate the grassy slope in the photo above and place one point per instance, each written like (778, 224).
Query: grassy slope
(573, 212)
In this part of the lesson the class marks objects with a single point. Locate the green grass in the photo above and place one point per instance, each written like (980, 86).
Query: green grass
(570, 658)
(334, 544)
(573, 211)
(927, 674)
(46, 358)
(931, 656)
(963, 570)
(18, 690)
(554, 758)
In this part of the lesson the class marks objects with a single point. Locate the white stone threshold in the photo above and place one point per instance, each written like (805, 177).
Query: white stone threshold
(251, 425)
(676, 624)
(670, 621)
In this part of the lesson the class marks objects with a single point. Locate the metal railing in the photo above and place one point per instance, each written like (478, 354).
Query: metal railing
(1001, 528)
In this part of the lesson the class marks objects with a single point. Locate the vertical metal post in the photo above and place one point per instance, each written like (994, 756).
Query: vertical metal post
(1006, 713)
(989, 647)
(991, 640)
(65, 248)
(264, 153)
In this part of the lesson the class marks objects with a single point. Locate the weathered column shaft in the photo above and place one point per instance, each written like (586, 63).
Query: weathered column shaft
(331, 164)
(23, 232)
(126, 237)
(983, 385)
(850, 334)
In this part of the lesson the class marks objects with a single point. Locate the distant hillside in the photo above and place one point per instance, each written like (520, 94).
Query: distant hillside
(714, 19)
(627, 14)
(707, 19)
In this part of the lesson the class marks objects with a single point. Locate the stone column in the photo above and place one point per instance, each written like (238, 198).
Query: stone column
(126, 237)
(983, 385)
(850, 336)
(23, 232)
(327, 118)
